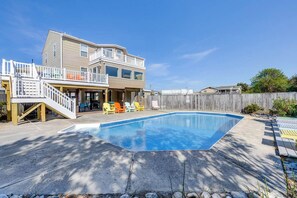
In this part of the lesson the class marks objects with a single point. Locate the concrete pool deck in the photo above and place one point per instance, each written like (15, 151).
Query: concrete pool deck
(35, 159)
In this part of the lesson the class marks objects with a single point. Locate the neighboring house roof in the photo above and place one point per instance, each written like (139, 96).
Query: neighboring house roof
(228, 87)
(220, 88)
(64, 34)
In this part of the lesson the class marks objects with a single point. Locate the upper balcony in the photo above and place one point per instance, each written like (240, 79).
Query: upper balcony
(117, 56)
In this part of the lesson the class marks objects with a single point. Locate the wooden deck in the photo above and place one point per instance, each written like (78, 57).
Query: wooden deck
(286, 147)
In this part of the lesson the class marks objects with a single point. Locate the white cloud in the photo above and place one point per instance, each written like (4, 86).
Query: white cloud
(198, 56)
(158, 69)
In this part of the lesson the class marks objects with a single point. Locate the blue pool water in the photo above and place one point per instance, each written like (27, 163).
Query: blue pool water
(175, 131)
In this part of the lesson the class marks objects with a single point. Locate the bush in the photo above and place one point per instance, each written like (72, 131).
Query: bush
(285, 107)
(252, 108)
(2, 110)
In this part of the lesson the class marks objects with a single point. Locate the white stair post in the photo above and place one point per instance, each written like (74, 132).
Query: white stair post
(3, 66)
(12, 68)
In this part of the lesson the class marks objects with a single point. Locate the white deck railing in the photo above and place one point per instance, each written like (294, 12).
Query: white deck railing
(30, 70)
(112, 55)
(34, 88)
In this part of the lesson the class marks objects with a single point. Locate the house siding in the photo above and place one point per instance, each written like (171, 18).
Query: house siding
(52, 39)
(71, 54)
(121, 83)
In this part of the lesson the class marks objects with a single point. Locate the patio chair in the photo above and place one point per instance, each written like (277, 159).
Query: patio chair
(289, 134)
(107, 109)
(82, 107)
(155, 105)
(119, 108)
(138, 106)
(129, 108)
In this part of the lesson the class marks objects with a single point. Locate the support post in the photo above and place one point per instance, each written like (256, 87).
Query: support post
(43, 112)
(61, 89)
(106, 95)
(39, 113)
(14, 113)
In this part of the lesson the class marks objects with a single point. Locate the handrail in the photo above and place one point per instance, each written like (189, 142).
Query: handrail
(34, 88)
(111, 55)
(30, 70)
(62, 99)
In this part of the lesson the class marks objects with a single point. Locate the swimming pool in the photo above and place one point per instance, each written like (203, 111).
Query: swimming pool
(173, 131)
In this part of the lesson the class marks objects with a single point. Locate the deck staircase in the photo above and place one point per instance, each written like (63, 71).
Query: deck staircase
(28, 87)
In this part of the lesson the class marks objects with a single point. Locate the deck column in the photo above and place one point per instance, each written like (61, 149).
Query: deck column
(61, 89)
(39, 113)
(43, 112)
(14, 113)
(106, 95)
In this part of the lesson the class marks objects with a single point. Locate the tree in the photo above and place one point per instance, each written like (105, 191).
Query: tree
(244, 87)
(293, 83)
(270, 80)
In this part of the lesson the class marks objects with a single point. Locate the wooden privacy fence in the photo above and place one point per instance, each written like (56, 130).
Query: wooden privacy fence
(216, 102)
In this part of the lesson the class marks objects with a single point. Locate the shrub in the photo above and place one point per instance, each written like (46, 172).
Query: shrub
(251, 108)
(2, 109)
(285, 107)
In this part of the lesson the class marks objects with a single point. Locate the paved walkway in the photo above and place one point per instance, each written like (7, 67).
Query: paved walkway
(35, 159)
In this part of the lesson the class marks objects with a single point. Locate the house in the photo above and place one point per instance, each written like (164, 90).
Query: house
(75, 74)
(233, 89)
(126, 72)
(209, 90)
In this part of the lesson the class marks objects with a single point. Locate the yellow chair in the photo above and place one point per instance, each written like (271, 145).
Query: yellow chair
(138, 106)
(107, 109)
(289, 134)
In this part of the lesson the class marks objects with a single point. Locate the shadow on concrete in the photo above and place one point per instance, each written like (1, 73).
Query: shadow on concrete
(83, 164)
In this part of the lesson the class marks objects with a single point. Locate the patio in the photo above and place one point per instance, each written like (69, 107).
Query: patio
(35, 159)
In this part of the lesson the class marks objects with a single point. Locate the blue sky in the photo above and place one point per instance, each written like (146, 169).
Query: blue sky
(186, 44)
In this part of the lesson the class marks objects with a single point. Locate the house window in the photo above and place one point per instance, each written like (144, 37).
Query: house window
(119, 54)
(112, 71)
(138, 75)
(107, 52)
(55, 50)
(84, 69)
(126, 73)
(83, 50)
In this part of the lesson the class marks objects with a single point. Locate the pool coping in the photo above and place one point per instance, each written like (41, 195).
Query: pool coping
(240, 116)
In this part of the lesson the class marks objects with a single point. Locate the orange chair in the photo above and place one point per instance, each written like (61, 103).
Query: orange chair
(70, 77)
(118, 108)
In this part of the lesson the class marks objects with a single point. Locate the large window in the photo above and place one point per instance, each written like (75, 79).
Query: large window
(112, 71)
(83, 50)
(138, 75)
(126, 73)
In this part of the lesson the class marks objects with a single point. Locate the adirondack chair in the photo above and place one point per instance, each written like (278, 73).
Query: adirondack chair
(119, 108)
(107, 109)
(128, 107)
(155, 105)
(138, 106)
